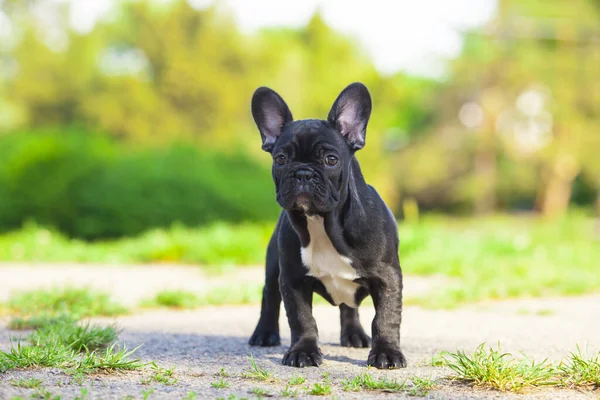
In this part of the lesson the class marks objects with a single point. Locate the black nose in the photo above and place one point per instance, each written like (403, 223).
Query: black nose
(304, 174)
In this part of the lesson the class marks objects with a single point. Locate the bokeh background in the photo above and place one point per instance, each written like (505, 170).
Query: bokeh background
(126, 134)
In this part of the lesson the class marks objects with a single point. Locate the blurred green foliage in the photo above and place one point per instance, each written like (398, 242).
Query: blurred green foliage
(490, 258)
(155, 74)
(517, 118)
(88, 187)
(167, 88)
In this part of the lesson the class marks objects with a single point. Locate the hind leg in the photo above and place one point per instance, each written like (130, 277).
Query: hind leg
(267, 329)
(352, 332)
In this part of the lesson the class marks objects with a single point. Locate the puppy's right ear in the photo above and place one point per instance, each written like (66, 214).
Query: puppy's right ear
(270, 114)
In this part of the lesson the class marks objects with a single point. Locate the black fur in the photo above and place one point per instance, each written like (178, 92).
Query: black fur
(356, 220)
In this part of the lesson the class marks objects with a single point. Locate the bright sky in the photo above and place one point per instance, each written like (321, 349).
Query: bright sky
(414, 36)
(398, 34)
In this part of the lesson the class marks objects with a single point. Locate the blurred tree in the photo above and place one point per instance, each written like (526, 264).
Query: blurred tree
(521, 106)
(156, 72)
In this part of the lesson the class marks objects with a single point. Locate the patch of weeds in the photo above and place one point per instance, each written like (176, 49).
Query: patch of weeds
(78, 337)
(222, 373)
(297, 380)
(30, 383)
(161, 375)
(438, 359)
(220, 384)
(21, 356)
(80, 302)
(190, 396)
(256, 372)
(577, 371)
(352, 385)
(366, 381)
(38, 321)
(320, 389)
(146, 393)
(178, 299)
(111, 359)
(260, 392)
(5, 363)
(492, 368)
(289, 392)
(421, 386)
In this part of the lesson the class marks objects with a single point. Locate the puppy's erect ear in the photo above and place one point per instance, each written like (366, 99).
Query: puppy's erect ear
(350, 114)
(270, 114)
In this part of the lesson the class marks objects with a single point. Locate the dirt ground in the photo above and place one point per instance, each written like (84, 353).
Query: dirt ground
(199, 343)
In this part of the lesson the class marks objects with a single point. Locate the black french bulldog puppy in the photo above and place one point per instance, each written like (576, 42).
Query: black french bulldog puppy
(335, 235)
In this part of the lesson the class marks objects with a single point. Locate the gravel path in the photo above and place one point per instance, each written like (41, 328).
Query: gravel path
(199, 343)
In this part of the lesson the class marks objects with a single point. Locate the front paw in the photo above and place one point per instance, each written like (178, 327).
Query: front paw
(303, 355)
(264, 338)
(386, 358)
(355, 337)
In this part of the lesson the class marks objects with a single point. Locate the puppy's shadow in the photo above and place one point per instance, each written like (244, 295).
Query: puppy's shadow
(346, 360)
(194, 350)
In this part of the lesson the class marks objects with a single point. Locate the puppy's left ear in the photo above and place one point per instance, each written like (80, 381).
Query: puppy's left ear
(350, 114)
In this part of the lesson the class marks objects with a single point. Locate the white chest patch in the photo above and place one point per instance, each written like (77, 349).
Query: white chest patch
(326, 264)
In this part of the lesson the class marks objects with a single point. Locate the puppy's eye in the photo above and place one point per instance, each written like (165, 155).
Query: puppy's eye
(331, 160)
(281, 159)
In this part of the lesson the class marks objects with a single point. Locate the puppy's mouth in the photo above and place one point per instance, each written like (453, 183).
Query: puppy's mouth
(303, 203)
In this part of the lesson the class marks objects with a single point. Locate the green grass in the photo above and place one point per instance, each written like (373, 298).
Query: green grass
(367, 382)
(83, 394)
(178, 299)
(112, 359)
(77, 337)
(489, 367)
(501, 257)
(297, 380)
(220, 384)
(578, 371)
(260, 392)
(218, 244)
(289, 392)
(44, 394)
(216, 296)
(222, 373)
(25, 356)
(76, 348)
(190, 396)
(438, 359)
(164, 376)
(146, 393)
(78, 302)
(320, 389)
(38, 321)
(256, 372)
(30, 383)
(421, 386)
(488, 258)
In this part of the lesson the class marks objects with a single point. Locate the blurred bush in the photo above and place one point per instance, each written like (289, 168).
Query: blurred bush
(89, 187)
(512, 124)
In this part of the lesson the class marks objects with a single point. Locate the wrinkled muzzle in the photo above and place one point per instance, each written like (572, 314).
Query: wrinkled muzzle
(304, 189)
